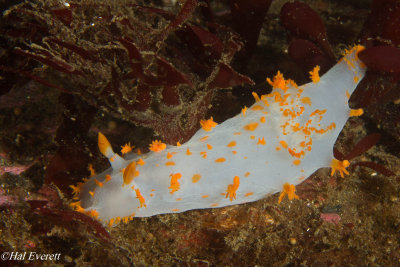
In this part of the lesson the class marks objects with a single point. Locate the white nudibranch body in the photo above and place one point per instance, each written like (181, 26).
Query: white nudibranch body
(269, 147)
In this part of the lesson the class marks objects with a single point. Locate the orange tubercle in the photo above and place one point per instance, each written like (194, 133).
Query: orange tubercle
(98, 183)
(251, 126)
(261, 141)
(140, 197)
(141, 162)
(256, 97)
(232, 188)
(174, 182)
(231, 144)
(244, 110)
(219, 160)
(195, 178)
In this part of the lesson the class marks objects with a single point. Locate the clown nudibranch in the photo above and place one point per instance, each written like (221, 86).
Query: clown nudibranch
(275, 144)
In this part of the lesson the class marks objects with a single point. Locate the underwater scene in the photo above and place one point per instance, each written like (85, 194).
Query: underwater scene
(200, 133)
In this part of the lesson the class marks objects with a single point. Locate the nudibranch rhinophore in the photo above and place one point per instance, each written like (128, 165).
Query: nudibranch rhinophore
(275, 144)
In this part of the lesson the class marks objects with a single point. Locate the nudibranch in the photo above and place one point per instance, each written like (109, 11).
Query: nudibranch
(270, 147)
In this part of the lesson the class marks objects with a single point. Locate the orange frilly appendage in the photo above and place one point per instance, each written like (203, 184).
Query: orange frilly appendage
(338, 165)
(289, 190)
(208, 125)
(157, 146)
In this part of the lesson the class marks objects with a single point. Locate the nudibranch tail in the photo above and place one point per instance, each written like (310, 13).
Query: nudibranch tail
(269, 147)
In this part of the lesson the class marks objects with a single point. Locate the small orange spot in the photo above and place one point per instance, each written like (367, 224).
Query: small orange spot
(214, 205)
(195, 178)
(151, 195)
(257, 107)
(283, 144)
(248, 194)
(208, 125)
(91, 193)
(251, 126)
(188, 152)
(234, 152)
(157, 146)
(175, 210)
(169, 155)
(247, 174)
(252, 137)
(141, 162)
(98, 183)
(356, 79)
(178, 144)
(138, 151)
(204, 154)
(288, 189)
(237, 133)
(205, 196)
(204, 138)
(209, 146)
(140, 197)
(219, 160)
(108, 177)
(314, 74)
(262, 119)
(261, 141)
(231, 144)
(347, 94)
(174, 182)
(306, 100)
(178, 199)
(93, 213)
(296, 162)
(170, 163)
